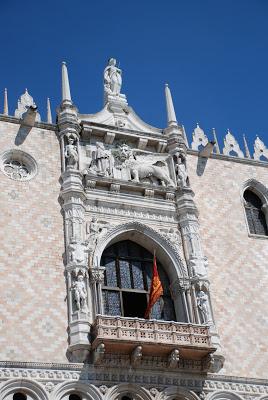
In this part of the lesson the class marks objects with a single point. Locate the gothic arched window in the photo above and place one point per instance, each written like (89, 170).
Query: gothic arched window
(127, 280)
(255, 216)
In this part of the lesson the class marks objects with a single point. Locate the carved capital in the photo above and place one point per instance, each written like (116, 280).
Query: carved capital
(97, 275)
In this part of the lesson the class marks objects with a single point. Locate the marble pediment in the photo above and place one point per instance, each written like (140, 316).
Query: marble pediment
(120, 116)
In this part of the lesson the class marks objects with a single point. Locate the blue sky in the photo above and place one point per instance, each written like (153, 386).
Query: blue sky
(213, 54)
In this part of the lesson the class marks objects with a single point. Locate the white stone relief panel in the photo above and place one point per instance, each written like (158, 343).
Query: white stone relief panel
(124, 163)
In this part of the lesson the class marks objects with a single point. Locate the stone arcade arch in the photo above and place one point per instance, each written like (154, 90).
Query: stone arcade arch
(127, 389)
(86, 391)
(223, 395)
(32, 389)
(173, 392)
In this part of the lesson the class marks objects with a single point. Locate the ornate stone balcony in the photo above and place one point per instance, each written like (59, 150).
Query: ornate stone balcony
(122, 335)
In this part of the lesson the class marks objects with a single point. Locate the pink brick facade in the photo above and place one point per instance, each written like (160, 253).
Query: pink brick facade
(32, 284)
(237, 264)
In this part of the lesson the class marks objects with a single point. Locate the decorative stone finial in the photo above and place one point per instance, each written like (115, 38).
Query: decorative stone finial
(231, 146)
(199, 138)
(24, 103)
(216, 141)
(260, 150)
(5, 103)
(247, 153)
(171, 116)
(49, 116)
(66, 94)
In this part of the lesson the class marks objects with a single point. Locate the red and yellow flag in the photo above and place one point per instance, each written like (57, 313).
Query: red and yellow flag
(156, 290)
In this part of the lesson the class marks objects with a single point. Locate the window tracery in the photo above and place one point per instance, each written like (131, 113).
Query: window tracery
(255, 216)
(127, 280)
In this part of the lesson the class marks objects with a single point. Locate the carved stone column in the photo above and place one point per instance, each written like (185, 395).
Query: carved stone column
(198, 292)
(76, 252)
(96, 280)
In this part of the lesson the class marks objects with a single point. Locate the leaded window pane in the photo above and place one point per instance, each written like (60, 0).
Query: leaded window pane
(137, 275)
(125, 274)
(111, 302)
(110, 273)
(128, 280)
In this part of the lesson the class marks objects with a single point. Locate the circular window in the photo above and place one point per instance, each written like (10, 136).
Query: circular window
(18, 165)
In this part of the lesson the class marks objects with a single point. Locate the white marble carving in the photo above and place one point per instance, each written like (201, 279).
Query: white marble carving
(80, 293)
(141, 168)
(181, 170)
(199, 138)
(260, 150)
(25, 101)
(112, 78)
(199, 266)
(231, 146)
(71, 153)
(203, 305)
(77, 252)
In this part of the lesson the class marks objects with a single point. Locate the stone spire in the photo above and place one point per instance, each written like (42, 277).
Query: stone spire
(171, 116)
(247, 153)
(49, 116)
(66, 94)
(185, 136)
(5, 103)
(216, 141)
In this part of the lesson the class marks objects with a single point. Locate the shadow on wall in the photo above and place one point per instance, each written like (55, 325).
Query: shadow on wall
(22, 134)
(201, 165)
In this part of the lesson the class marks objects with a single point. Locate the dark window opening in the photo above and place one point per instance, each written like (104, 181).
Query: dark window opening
(255, 216)
(75, 397)
(134, 304)
(19, 396)
(127, 281)
(126, 398)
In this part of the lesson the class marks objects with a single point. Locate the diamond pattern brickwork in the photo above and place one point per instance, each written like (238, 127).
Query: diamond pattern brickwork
(33, 312)
(238, 267)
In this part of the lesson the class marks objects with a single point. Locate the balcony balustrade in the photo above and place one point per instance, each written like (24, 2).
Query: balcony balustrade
(122, 335)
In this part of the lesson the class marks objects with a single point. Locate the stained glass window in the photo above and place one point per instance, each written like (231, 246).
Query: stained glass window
(255, 216)
(128, 274)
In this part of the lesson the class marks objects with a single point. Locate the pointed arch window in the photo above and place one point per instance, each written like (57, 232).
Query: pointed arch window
(127, 280)
(255, 216)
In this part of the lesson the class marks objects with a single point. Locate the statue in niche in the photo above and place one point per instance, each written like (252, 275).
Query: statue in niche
(203, 305)
(77, 252)
(181, 170)
(71, 153)
(80, 293)
(112, 78)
